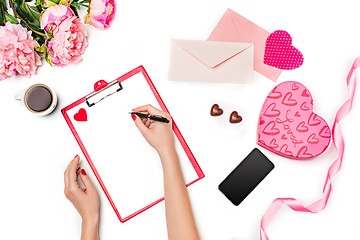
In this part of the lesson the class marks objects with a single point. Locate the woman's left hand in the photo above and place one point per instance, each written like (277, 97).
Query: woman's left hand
(85, 200)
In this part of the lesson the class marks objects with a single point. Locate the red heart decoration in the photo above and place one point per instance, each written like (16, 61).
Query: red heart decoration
(304, 107)
(288, 126)
(280, 53)
(271, 111)
(81, 115)
(284, 149)
(288, 100)
(273, 143)
(312, 139)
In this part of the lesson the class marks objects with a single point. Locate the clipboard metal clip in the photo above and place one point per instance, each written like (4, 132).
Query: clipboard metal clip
(102, 91)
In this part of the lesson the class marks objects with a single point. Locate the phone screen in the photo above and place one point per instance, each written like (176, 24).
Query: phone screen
(246, 176)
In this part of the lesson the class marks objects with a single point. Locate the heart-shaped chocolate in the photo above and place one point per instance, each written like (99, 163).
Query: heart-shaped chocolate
(280, 53)
(216, 110)
(235, 117)
(289, 127)
(81, 115)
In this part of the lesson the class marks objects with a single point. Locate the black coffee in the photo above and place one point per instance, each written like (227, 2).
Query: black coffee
(38, 98)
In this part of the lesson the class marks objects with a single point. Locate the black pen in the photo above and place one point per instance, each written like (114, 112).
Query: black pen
(157, 118)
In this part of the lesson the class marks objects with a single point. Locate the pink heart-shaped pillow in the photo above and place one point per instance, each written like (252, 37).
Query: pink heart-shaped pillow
(288, 126)
(280, 53)
(81, 115)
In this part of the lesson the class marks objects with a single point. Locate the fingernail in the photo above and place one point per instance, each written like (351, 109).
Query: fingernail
(83, 172)
(133, 116)
(76, 156)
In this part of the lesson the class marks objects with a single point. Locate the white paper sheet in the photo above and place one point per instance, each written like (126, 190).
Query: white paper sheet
(129, 167)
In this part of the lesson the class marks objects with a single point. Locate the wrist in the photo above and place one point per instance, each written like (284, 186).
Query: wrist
(167, 152)
(91, 222)
(90, 229)
(169, 159)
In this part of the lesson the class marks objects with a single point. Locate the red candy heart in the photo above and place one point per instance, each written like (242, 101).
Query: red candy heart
(81, 115)
(280, 53)
(288, 126)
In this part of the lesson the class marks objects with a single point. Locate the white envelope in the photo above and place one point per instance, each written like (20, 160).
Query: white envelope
(210, 61)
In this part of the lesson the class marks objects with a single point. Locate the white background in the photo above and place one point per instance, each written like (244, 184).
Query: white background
(34, 152)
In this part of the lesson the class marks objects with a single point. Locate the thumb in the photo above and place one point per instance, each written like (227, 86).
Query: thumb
(86, 180)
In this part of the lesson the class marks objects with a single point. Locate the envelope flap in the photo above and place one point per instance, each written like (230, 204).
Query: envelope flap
(212, 53)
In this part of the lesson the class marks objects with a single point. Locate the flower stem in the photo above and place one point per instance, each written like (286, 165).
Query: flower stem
(81, 4)
(3, 14)
(18, 16)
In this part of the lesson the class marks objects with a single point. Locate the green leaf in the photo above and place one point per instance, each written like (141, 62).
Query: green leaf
(3, 3)
(2, 18)
(29, 13)
(11, 18)
(47, 58)
(43, 52)
(38, 3)
(29, 18)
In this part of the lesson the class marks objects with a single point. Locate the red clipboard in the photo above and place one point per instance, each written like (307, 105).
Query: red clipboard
(95, 136)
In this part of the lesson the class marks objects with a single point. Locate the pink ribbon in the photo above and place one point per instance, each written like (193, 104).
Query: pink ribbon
(338, 141)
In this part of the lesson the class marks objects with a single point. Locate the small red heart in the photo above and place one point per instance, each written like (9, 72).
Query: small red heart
(271, 111)
(295, 87)
(305, 94)
(235, 117)
(270, 129)
(325, 132)
(288, 100)
(313, 120)
(273, 143)
(274, 94)
(284, 149)
(280, 53)
(216, 110)
(81, 115)
(312, 139)
(301, 127)
(303, 153)
(304, 107)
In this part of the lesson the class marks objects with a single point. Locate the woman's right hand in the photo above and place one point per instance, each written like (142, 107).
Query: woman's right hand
(158, 134)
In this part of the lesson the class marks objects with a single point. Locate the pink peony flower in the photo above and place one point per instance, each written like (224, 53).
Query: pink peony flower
(100, 13)
(69, 35)
(53, 14)
(17, 54)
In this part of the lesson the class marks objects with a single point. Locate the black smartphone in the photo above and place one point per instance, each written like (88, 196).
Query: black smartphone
(246, 176)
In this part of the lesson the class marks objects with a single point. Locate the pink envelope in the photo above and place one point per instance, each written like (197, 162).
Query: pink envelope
(205, 61)
(235, 28)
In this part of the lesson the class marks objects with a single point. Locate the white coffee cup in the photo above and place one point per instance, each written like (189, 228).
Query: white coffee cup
(39, 99)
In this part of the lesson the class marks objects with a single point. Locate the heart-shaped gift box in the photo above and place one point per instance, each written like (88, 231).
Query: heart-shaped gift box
(288, 126)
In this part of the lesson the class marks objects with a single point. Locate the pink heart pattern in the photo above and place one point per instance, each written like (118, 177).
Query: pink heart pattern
(289, 127)
(280, 53)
